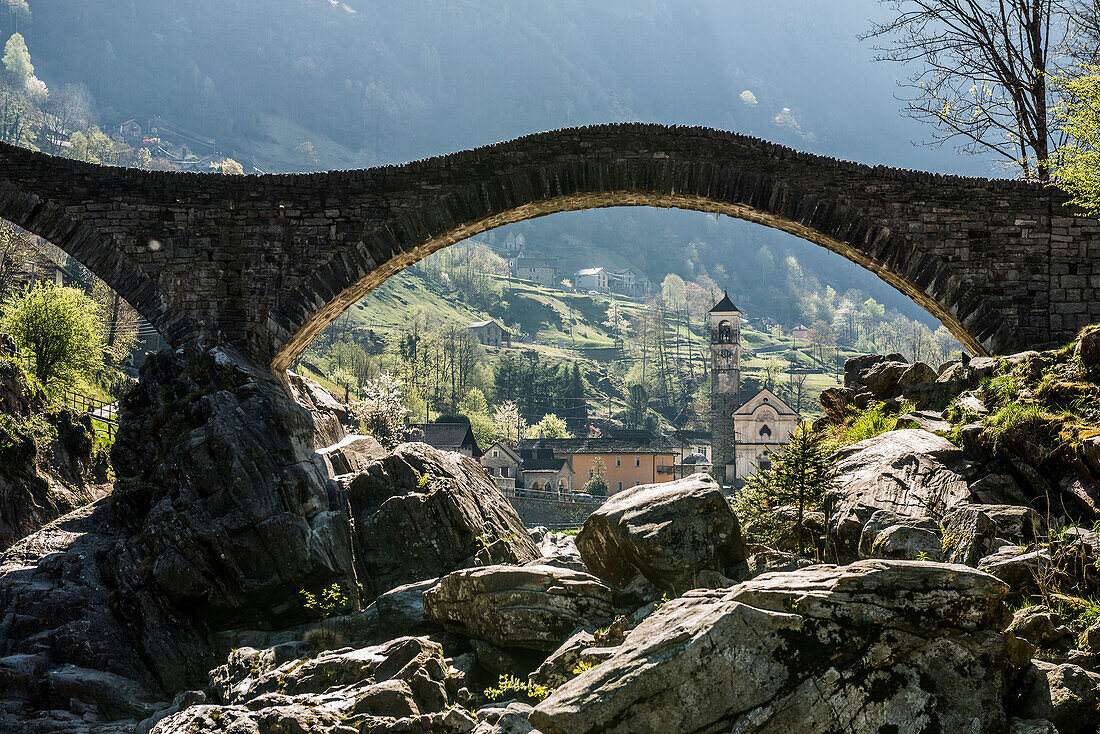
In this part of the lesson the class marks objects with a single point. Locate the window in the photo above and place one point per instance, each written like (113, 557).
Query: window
(636, 483)
(590, 473)
(765, 431)
(620, 486)
(495, 453)
(618, 461)
(637, 461)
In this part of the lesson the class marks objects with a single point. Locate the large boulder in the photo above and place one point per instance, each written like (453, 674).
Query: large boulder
(219, 518)
(532, 607)
(875, 646)
(216, 463)
(912, 473)
(665, 532)
(421, 513)
(557, 549)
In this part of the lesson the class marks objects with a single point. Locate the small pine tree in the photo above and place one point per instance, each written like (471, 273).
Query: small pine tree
(800, 475)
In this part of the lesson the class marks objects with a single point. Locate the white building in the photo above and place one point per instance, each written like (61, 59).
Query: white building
(591, 279)
(762, 425)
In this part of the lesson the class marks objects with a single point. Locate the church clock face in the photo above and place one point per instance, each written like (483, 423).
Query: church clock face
(725, 358)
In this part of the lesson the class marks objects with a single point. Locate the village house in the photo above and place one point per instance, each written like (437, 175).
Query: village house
(629, 282)
(490, 333)
(456, 437)
(800, 332)
(130, 131)
(543, 471)
(539, 270)
(591, 279)
(503, 464)
(630, 458)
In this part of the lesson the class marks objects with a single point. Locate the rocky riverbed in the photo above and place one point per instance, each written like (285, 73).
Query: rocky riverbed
(257, 570)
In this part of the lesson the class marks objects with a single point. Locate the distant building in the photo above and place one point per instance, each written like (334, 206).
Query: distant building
(591, 279)
(540, 270)
(744, 434)
(801, 332)
(490, 333)
(130, 130)
(691, 464)
(545, 472)
(630, 458)
(762, 425)
(456, 437)
(503, 465)
(629, 282)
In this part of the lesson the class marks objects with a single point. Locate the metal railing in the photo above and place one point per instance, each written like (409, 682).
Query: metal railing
(104, 415)
(544, 496)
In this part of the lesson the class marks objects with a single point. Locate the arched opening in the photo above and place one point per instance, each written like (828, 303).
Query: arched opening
(864, 242)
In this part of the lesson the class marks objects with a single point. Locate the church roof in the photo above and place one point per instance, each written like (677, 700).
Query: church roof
(769, 398)
(725, 306)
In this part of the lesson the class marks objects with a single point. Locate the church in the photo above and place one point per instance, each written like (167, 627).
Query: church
(743, 433)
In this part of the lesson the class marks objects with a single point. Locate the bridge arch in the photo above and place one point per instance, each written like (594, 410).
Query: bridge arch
(263, 263)
(584, 185)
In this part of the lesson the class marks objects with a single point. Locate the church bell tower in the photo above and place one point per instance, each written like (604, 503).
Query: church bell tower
(725, 385)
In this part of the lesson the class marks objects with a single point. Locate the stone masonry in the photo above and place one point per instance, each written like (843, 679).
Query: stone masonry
(263, 263)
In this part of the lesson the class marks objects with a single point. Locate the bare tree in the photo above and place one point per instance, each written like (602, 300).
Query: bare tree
(983, 71)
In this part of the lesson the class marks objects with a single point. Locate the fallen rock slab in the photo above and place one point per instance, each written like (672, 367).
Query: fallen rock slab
(823, 649)
(531, 607)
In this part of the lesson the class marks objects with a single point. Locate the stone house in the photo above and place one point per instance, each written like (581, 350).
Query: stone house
(539, 270)
(629, 282)
(490, 333)
(591, 279)
(544, 471)
(503, 464)
(130, 130)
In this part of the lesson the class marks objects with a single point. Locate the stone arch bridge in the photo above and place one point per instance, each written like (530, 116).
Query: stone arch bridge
(264, 263)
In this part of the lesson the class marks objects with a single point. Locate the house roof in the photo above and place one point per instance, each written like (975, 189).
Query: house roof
(544, 465)
(536, 262)
(725, 305)
(508, 451)
(616, 444)
(449, 436)
(590, 271)
(696, 459)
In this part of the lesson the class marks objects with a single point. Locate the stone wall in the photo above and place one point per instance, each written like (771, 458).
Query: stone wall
(552, 514)
(265, 262)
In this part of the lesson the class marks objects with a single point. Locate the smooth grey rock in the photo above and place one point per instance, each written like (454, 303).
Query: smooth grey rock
(779, 654)
(926, 420)
(408, 528)
(664, 531)
(969, 534)
(352, 454)
(1031, 726)
(561, 663)
(327, 412)
(558, 549)
(880, 520)
(907, 543)
(774, 562)
(912, 473)
(401, 610)
(531, 607)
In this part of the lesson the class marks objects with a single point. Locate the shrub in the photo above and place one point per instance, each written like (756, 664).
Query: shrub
(320, 639)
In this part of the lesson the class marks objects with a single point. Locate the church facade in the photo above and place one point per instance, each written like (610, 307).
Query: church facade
(744, 433)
